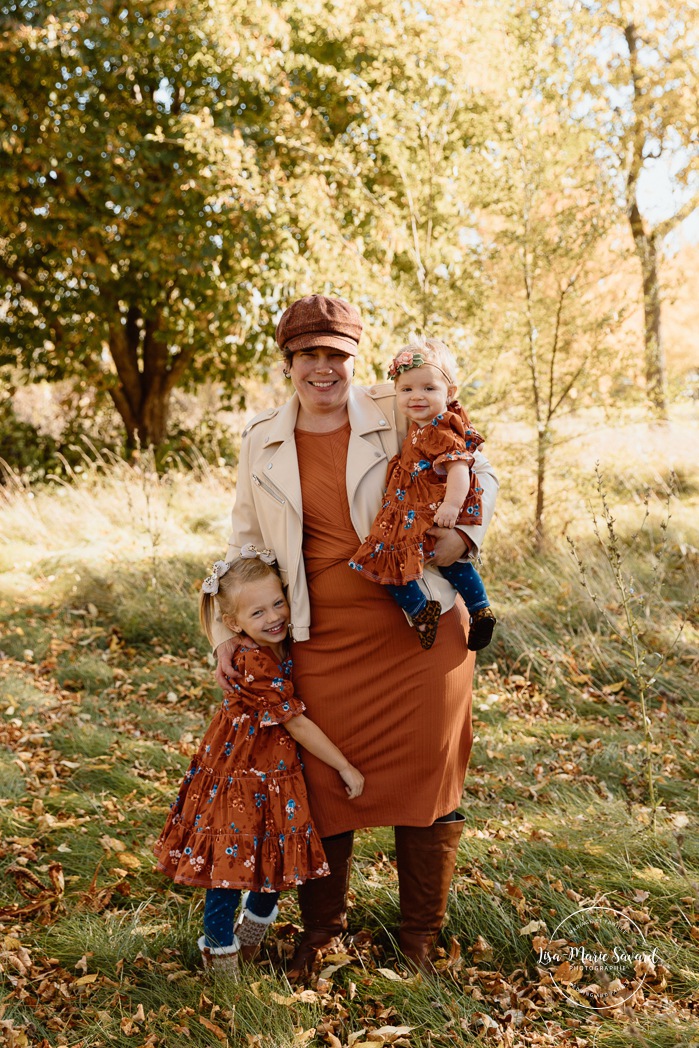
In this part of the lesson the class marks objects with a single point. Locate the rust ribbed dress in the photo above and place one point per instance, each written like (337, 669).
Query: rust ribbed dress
(400, 714)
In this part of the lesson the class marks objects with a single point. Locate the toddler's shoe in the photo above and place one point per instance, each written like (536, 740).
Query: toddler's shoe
(221, 960)
(426, 623)
(250, 930)
(481, 631)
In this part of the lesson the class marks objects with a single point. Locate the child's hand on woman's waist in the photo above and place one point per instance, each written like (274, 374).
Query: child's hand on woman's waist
(226, 673)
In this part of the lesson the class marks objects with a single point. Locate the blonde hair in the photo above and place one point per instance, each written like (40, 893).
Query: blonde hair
(241, 572)
(434, 351)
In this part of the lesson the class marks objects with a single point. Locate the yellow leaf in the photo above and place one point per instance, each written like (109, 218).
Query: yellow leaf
(278, 999)
(653, 873)
(130, 860)
(112, 844)
(533, 926)
(307, 996)
(85, 979)
(388, 973)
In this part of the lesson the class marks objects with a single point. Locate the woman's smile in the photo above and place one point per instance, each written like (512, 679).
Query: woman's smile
(322, 378)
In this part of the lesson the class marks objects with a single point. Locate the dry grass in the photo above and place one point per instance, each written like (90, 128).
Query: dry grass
(106, 686)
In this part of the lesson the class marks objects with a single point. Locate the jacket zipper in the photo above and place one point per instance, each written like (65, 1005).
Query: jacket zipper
(268, 489)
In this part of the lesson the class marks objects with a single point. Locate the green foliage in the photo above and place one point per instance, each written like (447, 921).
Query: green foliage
(165, 190)
(148, 213)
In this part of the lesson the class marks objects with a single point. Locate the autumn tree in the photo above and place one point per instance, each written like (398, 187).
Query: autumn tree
(642, 89)
(548, 212)
(161, 199)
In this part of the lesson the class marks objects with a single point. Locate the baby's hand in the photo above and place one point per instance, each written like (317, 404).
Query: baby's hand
(447, 515)
(353, 780)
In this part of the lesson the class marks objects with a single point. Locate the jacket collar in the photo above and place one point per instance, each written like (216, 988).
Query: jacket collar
(365, 416)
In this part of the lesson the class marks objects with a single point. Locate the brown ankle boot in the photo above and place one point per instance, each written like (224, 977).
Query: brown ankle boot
(426, 857)
(426, 623)
(323, 904)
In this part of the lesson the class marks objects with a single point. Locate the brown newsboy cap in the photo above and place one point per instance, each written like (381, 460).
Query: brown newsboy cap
(319, 321)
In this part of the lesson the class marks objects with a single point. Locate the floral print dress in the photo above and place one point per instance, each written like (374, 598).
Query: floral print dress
(241, 817)
(398, 545)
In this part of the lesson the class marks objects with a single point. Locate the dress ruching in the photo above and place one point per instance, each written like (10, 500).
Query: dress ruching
(241, 817)
(398, 545)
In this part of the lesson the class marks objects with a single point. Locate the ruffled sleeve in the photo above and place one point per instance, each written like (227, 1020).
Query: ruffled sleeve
(452, 441)
(266, 686)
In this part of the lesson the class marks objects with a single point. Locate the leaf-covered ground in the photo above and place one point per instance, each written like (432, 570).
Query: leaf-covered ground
(105, 687)
(97, 949)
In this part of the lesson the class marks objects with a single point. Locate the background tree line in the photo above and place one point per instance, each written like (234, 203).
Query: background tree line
(173, 176)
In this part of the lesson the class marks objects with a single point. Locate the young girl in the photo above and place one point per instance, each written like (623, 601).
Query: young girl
(429, 483)
(241, 818)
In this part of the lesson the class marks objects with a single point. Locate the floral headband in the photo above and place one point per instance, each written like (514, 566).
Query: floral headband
(406, 360)
(248, 552)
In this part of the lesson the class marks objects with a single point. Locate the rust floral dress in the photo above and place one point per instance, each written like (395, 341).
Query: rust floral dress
(398, 545)
(241, 817)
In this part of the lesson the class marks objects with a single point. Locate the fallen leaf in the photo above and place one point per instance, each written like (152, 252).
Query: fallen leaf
(213, 1028)
(332, 968)
(481, 950)
(302, 1036)
(129, 860)
(533, 926)
(390, 1032)
(112, 844)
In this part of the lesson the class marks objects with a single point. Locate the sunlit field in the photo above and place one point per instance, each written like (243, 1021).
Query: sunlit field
(107, 684)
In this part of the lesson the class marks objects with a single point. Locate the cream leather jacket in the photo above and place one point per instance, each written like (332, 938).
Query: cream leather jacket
(268, 510)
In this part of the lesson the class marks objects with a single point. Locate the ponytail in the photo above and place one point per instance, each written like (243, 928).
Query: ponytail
(207, 614)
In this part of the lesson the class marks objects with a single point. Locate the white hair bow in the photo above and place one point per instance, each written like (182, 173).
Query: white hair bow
(249, 551)
(210, 584)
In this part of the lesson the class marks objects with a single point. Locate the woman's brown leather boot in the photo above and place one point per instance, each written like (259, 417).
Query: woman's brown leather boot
(323, 904)
(426, 857)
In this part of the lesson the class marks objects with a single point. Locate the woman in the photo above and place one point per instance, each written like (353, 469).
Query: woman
(311, 479)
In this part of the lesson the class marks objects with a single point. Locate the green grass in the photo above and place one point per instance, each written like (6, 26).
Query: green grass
(106, 685)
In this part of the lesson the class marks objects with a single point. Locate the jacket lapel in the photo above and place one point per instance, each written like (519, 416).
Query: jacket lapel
(281, 455)
(365, 448)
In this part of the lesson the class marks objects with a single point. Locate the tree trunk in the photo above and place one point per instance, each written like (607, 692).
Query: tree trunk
(644, 237)
(148, 425)
(146, 380)
(541, 449)
(646, 248)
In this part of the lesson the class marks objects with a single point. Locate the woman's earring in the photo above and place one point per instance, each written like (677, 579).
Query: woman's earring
(286, 374)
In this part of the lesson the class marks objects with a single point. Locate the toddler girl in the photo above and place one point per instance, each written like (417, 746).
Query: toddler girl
(241, 818)
(429, 483)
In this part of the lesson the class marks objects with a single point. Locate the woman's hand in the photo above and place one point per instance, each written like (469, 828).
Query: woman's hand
(450, 544)
(353, 780)
(225, 671)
